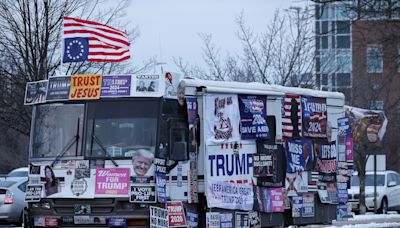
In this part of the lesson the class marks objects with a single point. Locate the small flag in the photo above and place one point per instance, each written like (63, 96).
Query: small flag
(94, 42)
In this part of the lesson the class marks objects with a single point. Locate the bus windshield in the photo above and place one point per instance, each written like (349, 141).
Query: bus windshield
(55, 126)
(119, 128)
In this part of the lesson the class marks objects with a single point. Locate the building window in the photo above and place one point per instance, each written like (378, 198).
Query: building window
(343, 58)
(343, 41)
(374, 59)
(324, 42)
(324, 79)
(343, 80)
(343, 27)
(376, 105)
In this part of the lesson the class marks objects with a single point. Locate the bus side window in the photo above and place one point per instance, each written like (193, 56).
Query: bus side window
(179, 144)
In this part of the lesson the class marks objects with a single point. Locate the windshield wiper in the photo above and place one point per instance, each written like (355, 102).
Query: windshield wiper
(74, 140)
(98, 142)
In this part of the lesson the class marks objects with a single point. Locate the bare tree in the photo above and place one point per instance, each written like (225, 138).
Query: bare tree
(283, 52)
(30, 41)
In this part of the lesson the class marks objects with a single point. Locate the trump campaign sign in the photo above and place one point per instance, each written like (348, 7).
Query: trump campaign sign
(315, 117)
(253, 117)
(224, 165)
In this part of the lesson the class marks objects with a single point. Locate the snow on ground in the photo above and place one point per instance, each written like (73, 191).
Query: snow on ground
(371, 216)
(370, 220)
(369, 225)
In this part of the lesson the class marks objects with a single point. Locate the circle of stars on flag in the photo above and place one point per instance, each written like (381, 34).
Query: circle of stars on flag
(75, 50)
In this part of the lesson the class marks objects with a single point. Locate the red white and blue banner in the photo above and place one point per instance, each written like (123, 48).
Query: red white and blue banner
(253, 117)
(315, 116)
(291, 117)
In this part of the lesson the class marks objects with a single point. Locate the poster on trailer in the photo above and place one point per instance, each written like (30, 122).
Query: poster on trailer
(278, 168)
(299, 155)
(229, 195)
(253, 117)
(314, 115)
(35, 92)
(291, 117)
(326, 164)
(221, 119)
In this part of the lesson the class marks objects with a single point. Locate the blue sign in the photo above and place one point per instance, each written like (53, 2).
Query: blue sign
(116, 86)
(161, 180)
(117, 222)
(58, 88)
(344, 127)
(253, 117)
(299, 155)
(314, 117)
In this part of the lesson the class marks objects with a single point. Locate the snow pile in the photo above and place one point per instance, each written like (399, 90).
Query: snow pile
(369, 225)
(375, 216)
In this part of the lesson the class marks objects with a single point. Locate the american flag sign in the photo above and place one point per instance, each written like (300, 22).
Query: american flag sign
(94, 42)
(291, 117)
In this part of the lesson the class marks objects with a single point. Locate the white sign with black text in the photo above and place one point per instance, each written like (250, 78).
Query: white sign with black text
(33, 193)
(158, 217)
(142, 194)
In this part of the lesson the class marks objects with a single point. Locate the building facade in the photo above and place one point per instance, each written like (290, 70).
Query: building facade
(333, 48)
(357, 53)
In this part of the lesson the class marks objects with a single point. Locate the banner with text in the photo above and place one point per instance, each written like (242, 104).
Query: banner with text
(299, 155)
(327, 162)
(229, 195)
(253, 117)
(112, 181)
(58, 88)
(142, 194)
(116, 86)
(85, 87)
(176, 214)
(314, 114)
(224, 165)
(158, 217)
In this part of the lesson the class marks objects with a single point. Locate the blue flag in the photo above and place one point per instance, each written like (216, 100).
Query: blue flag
(75, 49)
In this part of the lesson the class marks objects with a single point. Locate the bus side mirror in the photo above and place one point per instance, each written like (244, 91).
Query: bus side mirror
(179, 151)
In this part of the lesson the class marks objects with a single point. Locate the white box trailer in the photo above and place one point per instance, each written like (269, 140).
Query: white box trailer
(213, 167)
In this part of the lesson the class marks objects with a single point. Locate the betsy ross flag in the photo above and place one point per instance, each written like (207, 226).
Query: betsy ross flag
(291, 117)
(94, 42)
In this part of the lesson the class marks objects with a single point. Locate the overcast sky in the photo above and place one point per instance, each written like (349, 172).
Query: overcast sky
(171, 28)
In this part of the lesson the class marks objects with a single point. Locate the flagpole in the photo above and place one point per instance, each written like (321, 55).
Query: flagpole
(62, 71)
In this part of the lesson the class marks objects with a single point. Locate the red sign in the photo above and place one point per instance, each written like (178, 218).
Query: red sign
(176, 214)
